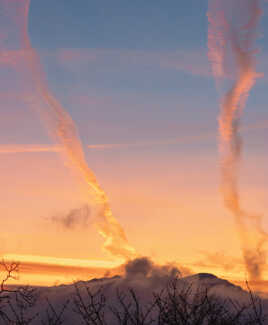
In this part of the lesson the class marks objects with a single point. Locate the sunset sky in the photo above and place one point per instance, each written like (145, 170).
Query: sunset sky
(136, 80)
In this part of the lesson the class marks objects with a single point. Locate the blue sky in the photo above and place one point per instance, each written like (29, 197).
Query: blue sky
(136, 25)
(138, 72)
(134, 72)
(154, 94)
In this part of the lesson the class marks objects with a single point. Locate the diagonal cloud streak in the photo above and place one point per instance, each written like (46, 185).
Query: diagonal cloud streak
(228, 37)
(59, 123)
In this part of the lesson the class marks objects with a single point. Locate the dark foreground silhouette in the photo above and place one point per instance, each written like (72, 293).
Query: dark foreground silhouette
(145, 295)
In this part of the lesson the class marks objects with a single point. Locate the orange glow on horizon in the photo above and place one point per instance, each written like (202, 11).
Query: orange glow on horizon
(62, 261)
(50, 271)
(162, 186)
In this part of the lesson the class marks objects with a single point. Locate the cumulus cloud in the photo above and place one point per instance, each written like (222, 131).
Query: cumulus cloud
(145, 268)
(219, 260)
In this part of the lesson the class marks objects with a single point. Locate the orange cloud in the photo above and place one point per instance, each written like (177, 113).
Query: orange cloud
(47, 275)
(51, 268)
(28, 148)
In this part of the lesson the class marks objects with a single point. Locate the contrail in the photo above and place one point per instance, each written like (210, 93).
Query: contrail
(231, 39)
(261, 125)
(144, 144)
(62, 128)
(11, 149)
(31, 148)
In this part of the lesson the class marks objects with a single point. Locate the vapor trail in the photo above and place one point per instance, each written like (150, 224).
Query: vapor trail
(231, 36)
(63, 129)
(38, 148)
(7, 149)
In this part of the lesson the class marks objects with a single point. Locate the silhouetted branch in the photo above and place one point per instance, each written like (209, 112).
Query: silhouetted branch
(11, 270)
(90, 308)
(52, 316)
(15, 303)
(130, 309)
(179, 303)
(186, 306)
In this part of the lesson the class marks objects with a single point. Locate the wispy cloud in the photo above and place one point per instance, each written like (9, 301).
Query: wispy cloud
(219, 260)
(14, 149)
(49, 260)
(74, 218)
(184, 139)
(193, 62)
(28, 148)
(66, 269)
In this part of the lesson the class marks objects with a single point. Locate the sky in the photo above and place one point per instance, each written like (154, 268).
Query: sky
(136, 80)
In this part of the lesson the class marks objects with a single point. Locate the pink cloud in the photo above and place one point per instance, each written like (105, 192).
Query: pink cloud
(12, 149)
(28, 148)
(193, 62)
(67, 56)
